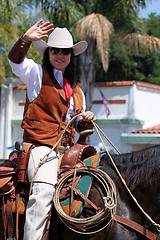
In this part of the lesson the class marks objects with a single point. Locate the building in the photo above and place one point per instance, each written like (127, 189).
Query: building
(133, 109)
(11, 112)
(133, 106)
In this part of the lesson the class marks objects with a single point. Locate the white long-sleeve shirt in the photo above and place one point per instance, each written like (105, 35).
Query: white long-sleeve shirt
(31, 74)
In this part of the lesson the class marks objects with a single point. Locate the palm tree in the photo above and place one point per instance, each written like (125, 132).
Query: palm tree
(96, 30)
(138, 43)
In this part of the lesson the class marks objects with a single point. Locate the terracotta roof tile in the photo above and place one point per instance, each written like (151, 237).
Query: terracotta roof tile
(150, 130)
(126, 83)
(114, 84)
(21, 87)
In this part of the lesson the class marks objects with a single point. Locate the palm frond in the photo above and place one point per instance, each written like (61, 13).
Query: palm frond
(98, 28)
(138, 43)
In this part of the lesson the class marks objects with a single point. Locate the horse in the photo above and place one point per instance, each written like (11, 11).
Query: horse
(141, 172)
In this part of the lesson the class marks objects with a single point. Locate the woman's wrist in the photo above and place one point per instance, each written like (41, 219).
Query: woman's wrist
(24, 39)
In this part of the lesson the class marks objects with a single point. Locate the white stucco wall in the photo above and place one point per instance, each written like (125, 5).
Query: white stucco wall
(147, 101)
(111, 93)
(18, 97)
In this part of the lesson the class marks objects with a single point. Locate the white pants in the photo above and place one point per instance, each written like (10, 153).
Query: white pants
(40, 200)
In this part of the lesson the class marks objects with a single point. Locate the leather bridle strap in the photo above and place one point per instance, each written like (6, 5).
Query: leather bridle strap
(86, 199)
(137, 227)
(10, 224)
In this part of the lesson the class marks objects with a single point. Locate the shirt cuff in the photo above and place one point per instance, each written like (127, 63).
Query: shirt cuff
(77, 121)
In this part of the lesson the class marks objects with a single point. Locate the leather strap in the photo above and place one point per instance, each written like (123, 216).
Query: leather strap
(137, 227)
(73, 186)
(86, 199)
(10, 218)
(17, 215)
(20, 180)
(52, 217)
(4, 220)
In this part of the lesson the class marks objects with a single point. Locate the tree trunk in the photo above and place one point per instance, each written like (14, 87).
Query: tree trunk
(87, 77)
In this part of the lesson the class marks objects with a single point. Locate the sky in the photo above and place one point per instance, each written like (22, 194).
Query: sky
(153, 7)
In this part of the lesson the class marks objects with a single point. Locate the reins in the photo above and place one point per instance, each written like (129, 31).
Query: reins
(122, 179)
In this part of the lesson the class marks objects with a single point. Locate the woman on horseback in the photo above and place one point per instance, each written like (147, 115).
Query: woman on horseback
(53, 98)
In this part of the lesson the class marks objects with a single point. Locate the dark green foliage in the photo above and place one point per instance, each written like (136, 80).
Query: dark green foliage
(122, 66)
(153, 25)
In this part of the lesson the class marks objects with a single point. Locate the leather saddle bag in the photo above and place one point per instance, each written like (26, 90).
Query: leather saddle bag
(8, 170)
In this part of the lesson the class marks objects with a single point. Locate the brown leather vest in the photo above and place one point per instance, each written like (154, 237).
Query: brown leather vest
(44, 118)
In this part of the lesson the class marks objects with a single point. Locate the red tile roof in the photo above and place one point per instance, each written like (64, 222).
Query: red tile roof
(21, 87)
(150, 130)
(126, 83)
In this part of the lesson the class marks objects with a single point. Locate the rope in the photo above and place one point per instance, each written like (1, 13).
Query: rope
(98, 128)
(123, 181)
(100, 220)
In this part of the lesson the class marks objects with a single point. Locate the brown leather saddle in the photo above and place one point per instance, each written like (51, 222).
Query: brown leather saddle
(79, 155)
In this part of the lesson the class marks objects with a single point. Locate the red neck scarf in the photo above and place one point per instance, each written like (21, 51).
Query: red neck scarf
(68, 90)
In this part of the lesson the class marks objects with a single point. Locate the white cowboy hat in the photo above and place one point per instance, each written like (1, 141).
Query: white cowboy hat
(61, 38)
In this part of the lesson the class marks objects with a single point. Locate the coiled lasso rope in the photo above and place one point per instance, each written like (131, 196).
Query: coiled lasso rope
(157, 226)
(102, 218)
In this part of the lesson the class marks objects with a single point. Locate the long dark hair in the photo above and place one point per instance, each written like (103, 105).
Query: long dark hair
(70, 72)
